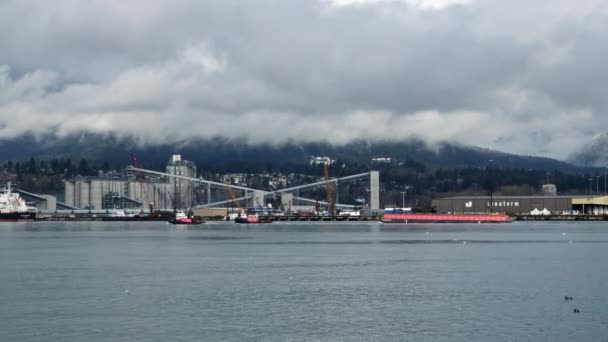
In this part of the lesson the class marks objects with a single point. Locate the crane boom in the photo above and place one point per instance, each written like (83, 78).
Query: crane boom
(232, 195)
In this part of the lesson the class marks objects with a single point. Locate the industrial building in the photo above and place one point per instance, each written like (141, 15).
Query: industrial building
(564, 204)
(126, 191)
(182, 189)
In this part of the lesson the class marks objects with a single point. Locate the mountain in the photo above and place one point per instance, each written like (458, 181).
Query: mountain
(210, 154)
(594, 154)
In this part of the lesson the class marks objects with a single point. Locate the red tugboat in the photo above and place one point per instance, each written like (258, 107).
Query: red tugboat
(182, 218)
(252, 219)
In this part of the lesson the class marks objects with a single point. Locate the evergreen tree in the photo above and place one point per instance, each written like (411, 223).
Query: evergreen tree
(30, 167)
(83, 167)
(43, 167)
(68, 168)
(54, 166)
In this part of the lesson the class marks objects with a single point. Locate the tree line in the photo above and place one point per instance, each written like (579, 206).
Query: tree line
(408, 181)
(51, 167)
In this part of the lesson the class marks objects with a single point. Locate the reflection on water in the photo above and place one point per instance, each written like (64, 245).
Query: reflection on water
(151, 281)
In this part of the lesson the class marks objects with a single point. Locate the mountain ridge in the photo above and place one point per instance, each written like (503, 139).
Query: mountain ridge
(210, 152)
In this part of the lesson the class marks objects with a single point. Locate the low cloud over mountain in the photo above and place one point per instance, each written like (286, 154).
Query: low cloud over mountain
(593, 154)
(520, 76)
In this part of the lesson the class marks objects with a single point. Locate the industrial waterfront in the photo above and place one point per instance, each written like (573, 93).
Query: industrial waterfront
(138, 194)
(298, 281)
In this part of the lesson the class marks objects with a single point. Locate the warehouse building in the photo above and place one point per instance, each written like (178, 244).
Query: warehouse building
(565, 204)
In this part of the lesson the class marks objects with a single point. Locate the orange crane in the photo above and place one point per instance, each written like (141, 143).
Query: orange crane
(329, 191)
(233, 196)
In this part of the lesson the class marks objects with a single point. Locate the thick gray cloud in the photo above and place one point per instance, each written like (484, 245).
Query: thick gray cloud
(520, 76)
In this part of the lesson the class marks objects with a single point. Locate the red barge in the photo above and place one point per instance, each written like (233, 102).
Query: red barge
(445, 218)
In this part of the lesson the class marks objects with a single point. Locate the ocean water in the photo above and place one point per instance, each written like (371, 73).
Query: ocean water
(92, 281)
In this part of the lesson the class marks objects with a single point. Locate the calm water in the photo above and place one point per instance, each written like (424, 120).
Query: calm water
(82, 281)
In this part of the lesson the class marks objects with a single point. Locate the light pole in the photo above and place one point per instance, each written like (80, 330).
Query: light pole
(604, 183)
(597, 185)
(403, 193)
(491, 187)
(590, 186)
(548, 173)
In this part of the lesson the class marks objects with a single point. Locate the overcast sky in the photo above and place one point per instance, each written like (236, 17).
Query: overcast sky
(520, 76)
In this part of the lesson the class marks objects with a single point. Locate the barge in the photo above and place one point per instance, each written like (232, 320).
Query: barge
(445, 218)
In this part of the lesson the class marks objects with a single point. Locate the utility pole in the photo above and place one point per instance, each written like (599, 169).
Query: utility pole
(548, 173)
(491, 187)
(597, 185)
(174, 187)
(590, 186)
(403, 193)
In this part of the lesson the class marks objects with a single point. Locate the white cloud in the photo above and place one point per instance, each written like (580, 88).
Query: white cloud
(420, 4)
(478, 72)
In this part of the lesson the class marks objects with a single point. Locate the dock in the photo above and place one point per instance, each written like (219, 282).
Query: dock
(338, 218)
(527, 217)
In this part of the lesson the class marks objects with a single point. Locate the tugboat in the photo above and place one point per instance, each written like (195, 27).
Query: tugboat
(182, 218)
(13, 207)
(252, 219)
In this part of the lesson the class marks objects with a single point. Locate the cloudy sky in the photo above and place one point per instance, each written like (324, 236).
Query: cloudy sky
(520, 76)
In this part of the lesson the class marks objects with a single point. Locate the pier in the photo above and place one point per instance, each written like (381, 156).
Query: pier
(320, 218)
(527, 217)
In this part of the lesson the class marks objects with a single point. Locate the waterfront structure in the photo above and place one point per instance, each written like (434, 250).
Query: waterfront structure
(130, 190)
(564, 204)
(183, 189)
(374, 193)
(256, 197)
(102, 193)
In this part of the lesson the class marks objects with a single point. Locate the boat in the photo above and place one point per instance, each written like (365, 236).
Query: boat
(121, 216)
(252, 219)
(182, 218)
(444, 218)
(13, 207)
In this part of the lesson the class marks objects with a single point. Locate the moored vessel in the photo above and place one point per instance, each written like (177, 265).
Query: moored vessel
(445, 218)
(13, 207)
(182, 218)
(252, 219)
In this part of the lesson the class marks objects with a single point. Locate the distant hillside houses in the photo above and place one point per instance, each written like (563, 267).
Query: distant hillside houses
(235, 178)
(278, 181)
(381, 160)
(321, 160)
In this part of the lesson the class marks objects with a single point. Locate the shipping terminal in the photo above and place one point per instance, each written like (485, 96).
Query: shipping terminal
(139, 194)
